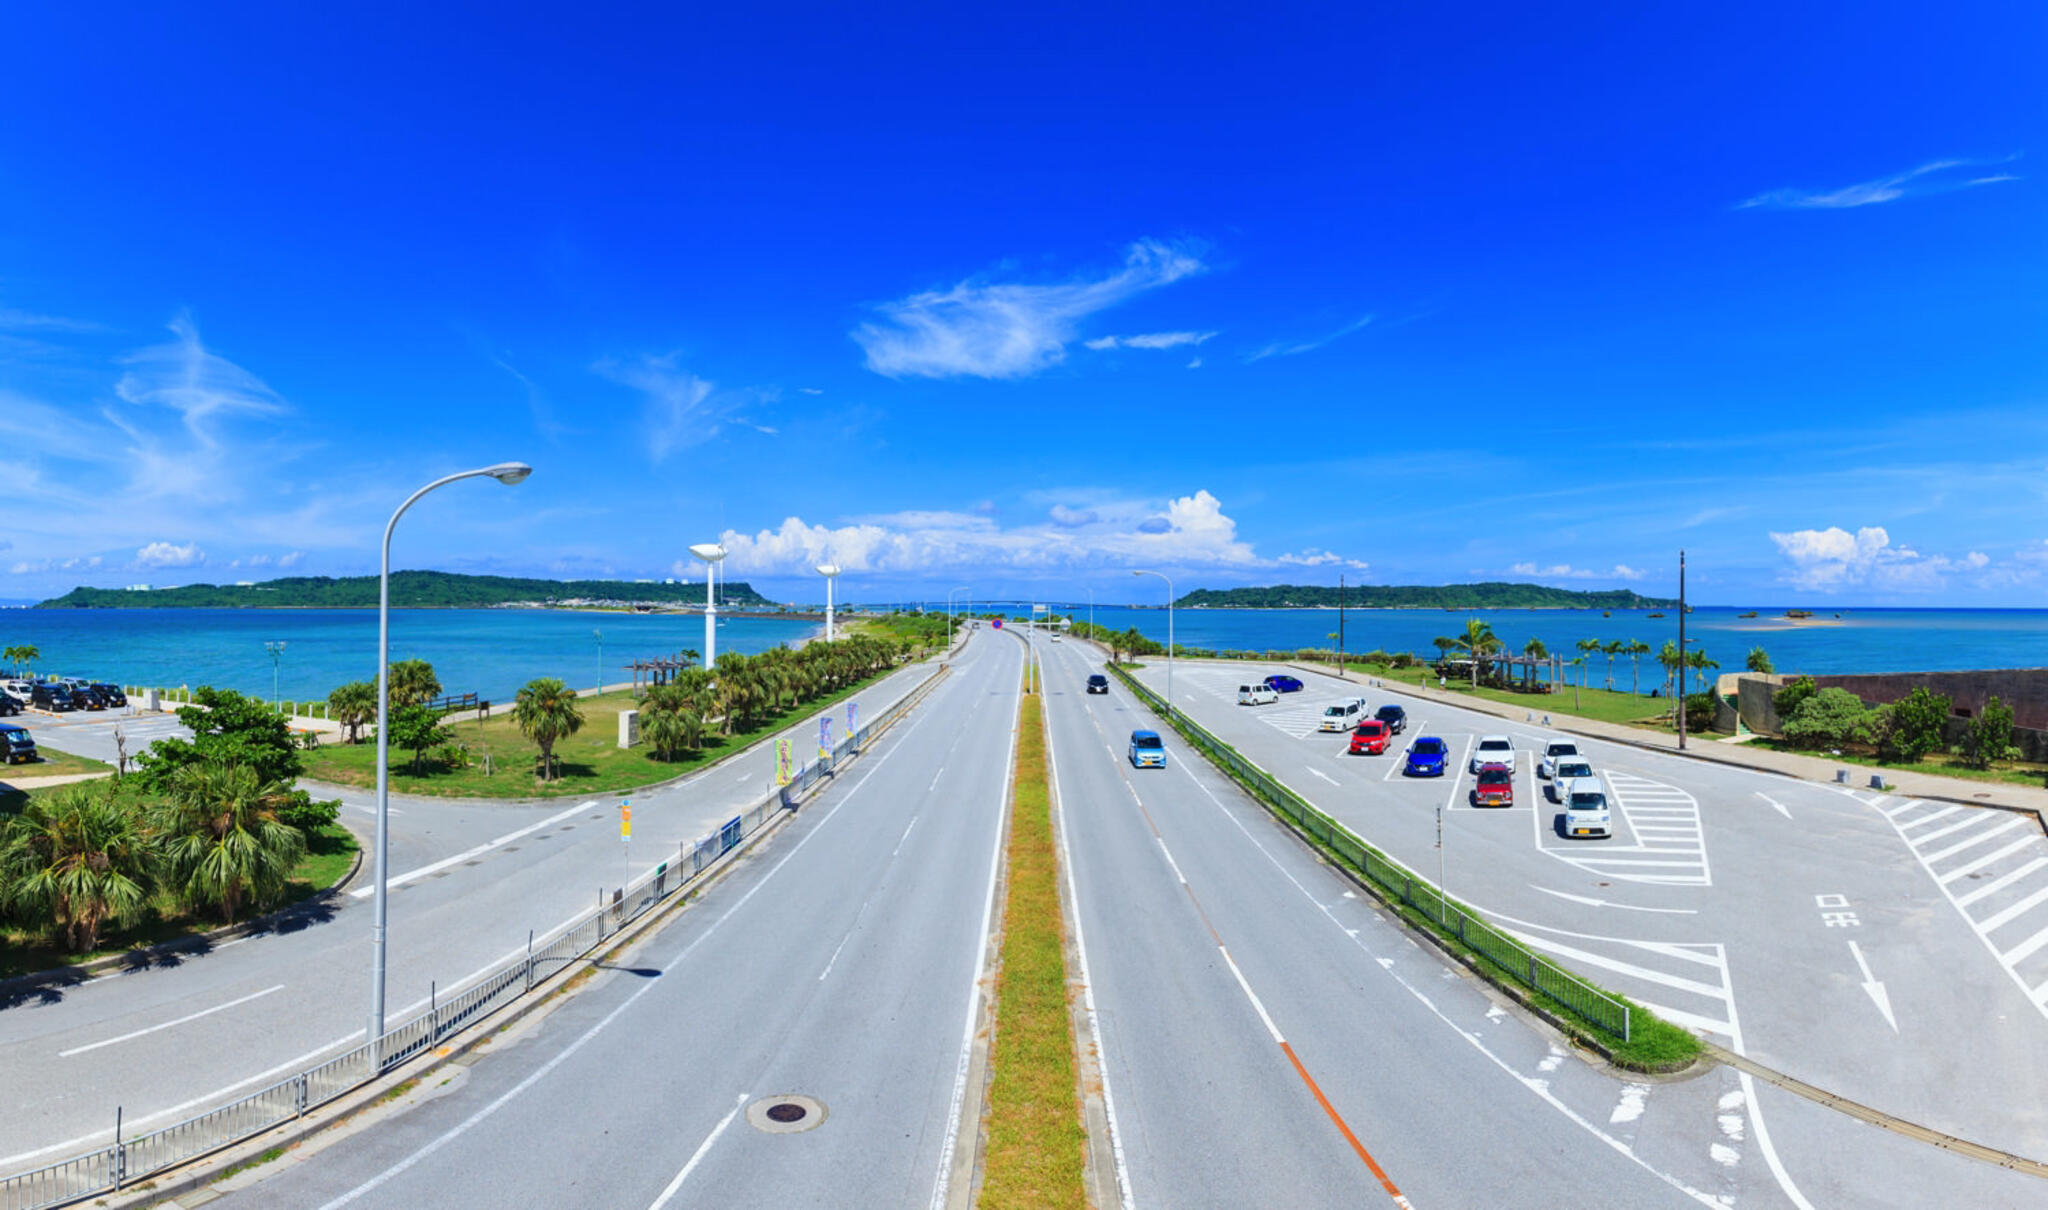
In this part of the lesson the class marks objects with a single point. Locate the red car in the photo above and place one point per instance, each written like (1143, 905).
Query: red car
(1496, 787)
(1370, 738)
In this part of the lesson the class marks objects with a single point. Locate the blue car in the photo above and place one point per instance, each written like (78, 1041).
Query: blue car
(1426, 758)
(1283, 684)
(1147, 750)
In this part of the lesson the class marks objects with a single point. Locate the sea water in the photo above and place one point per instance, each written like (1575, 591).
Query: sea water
(489, 652)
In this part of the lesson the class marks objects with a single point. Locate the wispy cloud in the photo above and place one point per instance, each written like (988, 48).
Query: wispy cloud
(15, 320)
(673, 410)
(1287, 348)
(167, 554)
(1937, 176)
(1565, 571)
(1149, 340)
(985, 329)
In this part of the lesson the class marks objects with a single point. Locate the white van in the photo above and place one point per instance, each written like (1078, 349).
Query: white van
(1343, 716)
(1257, 695)
(1585, 809)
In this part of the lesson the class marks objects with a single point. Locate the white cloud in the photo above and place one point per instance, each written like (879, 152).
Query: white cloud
(200, 385)
(1933, 177)
(1312, 557)
(673, 411)
(986, 329)
(1289, 348)
(1149, 340)
(291, 560)
(1565, 571)
(1187, 531)
(164, 554)
(1825, 560)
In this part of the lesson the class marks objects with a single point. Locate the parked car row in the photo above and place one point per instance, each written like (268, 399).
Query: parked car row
(61, 695)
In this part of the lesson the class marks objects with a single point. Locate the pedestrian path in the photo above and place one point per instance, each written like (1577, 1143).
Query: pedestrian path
(1993, 867)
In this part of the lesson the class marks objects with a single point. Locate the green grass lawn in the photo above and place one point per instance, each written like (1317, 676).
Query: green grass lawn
(1607, 707)
(329, 854)
(588, 762)
(1940, 764)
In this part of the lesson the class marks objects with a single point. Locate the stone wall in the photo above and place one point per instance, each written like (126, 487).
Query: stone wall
(2025, 690)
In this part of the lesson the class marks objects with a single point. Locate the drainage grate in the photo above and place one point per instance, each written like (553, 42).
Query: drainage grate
(786, 1113)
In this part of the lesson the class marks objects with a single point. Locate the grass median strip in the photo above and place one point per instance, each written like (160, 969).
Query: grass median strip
(1035, 1139)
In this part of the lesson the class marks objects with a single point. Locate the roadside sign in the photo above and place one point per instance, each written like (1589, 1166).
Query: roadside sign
(782, 762)
(824, 737)
(626, 820)
(996, 623)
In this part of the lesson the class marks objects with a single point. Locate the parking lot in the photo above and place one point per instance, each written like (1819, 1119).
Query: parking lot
(1890, 950)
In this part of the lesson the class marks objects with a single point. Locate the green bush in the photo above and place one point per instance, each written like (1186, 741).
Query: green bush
(1830, 717)
(1913, 726)
(1787, 700)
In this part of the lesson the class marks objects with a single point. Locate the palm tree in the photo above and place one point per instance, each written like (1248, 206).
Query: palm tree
(76, 858)
(1586, 649)
(545, 711)
(353, 705)
(1759, 660)
(664, 732)
(1610, 650)
(1635, 651)
(1478, 640)
(221, 838)
(21, 656)
(1697, 660)
(1669, 657)
(1535, 650)
(413, 683)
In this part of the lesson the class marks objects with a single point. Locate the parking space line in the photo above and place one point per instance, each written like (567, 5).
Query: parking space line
(1978, 839)
(2015, 911)
(1999, 884)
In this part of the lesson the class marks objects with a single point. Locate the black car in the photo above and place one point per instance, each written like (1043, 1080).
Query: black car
(86, 698)
(1394, 717)
(52, 697)
(8, 706)
(1098, 683)
(110, 694)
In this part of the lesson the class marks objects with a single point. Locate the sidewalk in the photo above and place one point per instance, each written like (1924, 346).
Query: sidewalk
(1904, 783)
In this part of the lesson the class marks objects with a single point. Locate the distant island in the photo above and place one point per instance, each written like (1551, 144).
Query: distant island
(409, 590)
(1490, 595)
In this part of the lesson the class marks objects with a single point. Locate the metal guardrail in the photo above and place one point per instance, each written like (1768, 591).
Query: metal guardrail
(127, 1160)
(1510, 957)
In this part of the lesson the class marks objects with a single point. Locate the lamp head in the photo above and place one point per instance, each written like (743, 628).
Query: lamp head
(509, 473)
(710, 552)
(828, 570)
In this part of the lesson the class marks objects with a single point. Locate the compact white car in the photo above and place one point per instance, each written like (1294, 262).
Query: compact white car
(1552, 752)
(1585, 809)
(1343, 716)
(1567, 770)
(1256, 695)
(20, 691)
(1494, 750)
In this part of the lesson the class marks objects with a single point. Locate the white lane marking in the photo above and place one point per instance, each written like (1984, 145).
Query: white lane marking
(698, 1157)
(1938, 833)
(1540, 1088)
(2014, 911)
(2025, 948)
(1116, 1138)
(465, 855)
(743, 777)
(1252, 996)
(1630, 1107)
(1978, 839)
(905, 836)
(1979, 863)
(1171, 862)
(475, 1119)
(1705, 990)
(1589, 901)
(204, 1012)
(1394, 766)
(944, 1182)
(1930, 817)
(1326, 777)
(1873, 988)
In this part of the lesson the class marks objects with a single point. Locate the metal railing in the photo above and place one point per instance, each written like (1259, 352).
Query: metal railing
(128, 1160)
(1501, 951)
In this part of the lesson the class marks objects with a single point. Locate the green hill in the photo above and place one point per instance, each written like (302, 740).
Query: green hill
(1491, 595)
(409, 590)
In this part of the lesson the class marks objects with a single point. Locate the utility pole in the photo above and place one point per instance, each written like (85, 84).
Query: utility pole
(1340, 624)
(1681, 651)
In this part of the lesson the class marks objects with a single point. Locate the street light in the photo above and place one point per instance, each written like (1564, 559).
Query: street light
(949, 610)
(276, 651)
(1169, 637)
(831, 572)
(507, 473)
(599, 636)
(711, 553)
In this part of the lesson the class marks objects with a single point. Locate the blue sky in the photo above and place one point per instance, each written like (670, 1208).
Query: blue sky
(1024, 301)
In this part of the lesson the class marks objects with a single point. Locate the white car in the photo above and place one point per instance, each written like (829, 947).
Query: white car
(1344, 715)
(1585, 809)
(1568, 770)
(20, 691)
(1494, 750)
(1552, 753)
(1256, 695)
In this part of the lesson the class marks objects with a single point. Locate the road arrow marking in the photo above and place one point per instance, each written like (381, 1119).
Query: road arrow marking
(1319, 773)
(1876, 989)
(1589, 901)
(1775, 803)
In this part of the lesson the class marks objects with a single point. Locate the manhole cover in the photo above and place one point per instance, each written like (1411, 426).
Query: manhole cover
(786, 1113)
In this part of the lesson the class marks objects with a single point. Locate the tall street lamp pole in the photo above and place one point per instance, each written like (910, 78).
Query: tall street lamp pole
(949, 612)
(1169, 636)
(276, 651)
(599, 636)
(506, 473)
(710, 553)
(1681, 651)
(831, 572)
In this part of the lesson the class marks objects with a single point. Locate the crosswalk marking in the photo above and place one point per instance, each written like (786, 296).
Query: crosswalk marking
(1978, 839)
(2003, 881)
(2018, 953)
(2014, 911)
(1932, 815)
(1988, 859)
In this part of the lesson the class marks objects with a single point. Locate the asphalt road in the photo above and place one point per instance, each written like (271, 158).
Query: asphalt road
(469, 880)
(1728, 900)
(839, 962)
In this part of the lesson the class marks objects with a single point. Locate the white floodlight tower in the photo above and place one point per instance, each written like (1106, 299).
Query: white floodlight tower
(711, 553)
(831, 572)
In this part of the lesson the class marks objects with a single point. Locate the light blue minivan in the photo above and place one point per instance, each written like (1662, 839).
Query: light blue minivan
(1148, 750)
